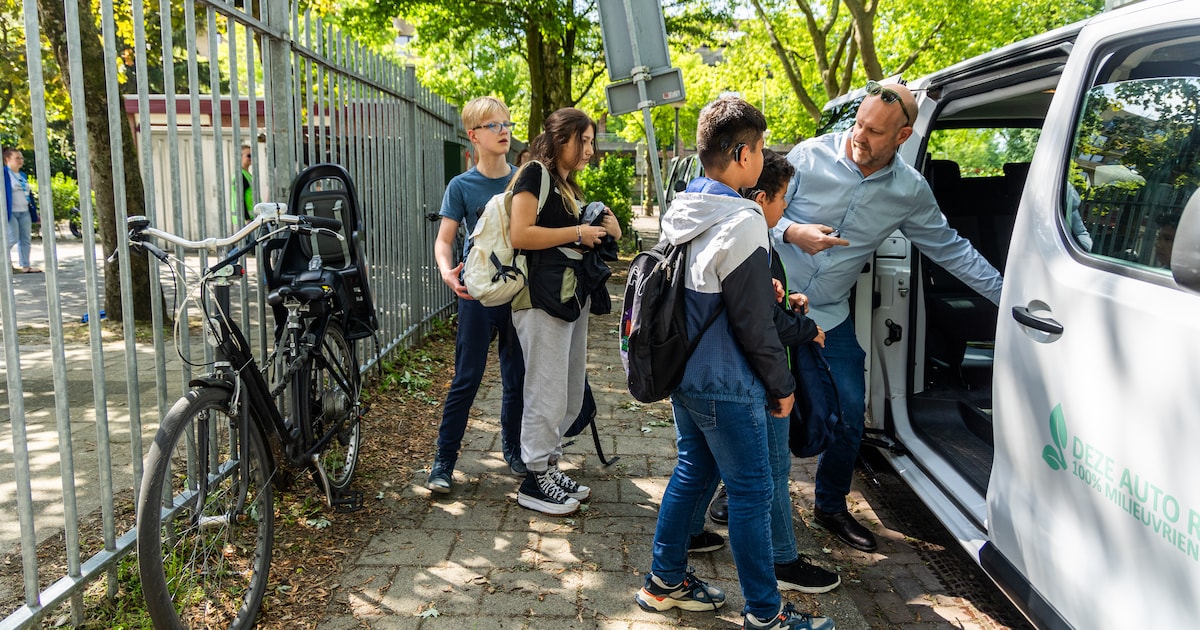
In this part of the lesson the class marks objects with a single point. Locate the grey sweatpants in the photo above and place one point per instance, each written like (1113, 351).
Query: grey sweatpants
(555, 366)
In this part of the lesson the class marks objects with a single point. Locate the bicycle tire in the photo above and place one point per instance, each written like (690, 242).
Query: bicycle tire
(335, 388)
(202, 568)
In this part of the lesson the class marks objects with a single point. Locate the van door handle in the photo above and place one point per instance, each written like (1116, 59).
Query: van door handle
(1044, 324)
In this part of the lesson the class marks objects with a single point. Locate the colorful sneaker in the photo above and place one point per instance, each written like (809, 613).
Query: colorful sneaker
(573, 489)
(801, 575)
(789, 617)
(539, 492)
(707, 541)
(441, 475)
(690, 594)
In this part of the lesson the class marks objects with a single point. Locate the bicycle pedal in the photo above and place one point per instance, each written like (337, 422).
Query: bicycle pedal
(348, 501)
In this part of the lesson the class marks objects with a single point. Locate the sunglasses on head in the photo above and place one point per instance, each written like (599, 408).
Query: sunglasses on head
(874, 88)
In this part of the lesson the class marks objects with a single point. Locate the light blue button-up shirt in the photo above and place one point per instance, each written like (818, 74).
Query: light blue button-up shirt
(830, 189)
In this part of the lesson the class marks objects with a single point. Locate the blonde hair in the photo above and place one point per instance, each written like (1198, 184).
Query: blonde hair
(480, 109)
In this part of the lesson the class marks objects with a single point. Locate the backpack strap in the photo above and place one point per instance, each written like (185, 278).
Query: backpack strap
(544, 192)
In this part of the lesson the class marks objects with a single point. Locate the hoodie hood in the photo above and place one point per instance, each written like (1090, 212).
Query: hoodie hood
(706, 203)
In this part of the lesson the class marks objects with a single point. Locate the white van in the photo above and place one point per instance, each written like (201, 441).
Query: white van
(1055, 436)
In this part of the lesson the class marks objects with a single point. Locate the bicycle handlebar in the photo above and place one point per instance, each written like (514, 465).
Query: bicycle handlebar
(268, 214)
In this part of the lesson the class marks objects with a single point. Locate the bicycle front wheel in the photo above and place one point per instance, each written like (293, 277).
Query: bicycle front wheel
(205, 517)
(335, 388)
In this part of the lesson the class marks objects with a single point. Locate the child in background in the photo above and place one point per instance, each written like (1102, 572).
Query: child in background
(486, 120)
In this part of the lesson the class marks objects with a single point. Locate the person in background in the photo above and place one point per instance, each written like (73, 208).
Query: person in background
(21, 209)
(489, 128)
(737, 373)
(523, 157)
(243, 187)
(853, 183)
(551, 314)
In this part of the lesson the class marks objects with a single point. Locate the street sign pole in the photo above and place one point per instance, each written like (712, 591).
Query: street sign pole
(641, 76)
(633, 45)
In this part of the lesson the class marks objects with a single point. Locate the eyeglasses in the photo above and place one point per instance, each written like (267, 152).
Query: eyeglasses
(874, 88)
(496, 127)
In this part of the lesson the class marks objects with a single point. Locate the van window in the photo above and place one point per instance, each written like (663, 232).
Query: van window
(983, 152)
(1136, 155)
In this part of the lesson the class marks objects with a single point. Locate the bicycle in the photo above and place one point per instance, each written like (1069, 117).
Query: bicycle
(205, 511)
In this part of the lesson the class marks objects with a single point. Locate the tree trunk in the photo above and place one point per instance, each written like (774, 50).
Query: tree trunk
(100, 143)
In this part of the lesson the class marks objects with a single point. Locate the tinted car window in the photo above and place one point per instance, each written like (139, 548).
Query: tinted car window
(1136, 157)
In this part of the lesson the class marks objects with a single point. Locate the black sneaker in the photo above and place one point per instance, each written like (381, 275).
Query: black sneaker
(707, 541)
(690, 594)
(441, 475)
(718, 510)
(573, 489)
(789, 617)
(539, 492)
(512, 456)
(801, 575)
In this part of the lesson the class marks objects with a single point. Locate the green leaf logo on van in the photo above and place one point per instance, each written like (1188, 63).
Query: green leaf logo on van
(1053, 453)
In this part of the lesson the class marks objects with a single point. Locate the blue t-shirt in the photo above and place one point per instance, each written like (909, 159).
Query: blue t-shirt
(466, 196)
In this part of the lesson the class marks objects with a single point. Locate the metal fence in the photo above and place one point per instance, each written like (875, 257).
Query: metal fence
(82, 400)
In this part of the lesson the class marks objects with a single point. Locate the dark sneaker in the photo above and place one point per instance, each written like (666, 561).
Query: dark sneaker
(539, 492)
(573, 489)
(512, 456)
(800, 575)
(690, 594)
(718, 510)
(707, 541)
(441, 475)
(789, 617)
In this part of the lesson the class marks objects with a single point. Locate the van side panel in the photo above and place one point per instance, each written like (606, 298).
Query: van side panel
(1093, 495)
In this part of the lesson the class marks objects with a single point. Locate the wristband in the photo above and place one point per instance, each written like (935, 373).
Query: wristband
(578, 235)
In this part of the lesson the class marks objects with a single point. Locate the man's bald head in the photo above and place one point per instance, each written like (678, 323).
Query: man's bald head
(907, 103)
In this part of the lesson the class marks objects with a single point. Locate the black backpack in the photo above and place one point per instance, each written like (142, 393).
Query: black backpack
(654, 341)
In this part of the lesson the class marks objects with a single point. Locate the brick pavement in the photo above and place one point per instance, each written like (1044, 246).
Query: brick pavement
(475, 559)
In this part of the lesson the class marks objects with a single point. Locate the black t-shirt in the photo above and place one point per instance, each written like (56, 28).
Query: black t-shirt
(555, 213)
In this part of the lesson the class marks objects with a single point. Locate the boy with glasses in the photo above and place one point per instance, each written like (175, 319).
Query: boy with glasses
(486, 120)
(852, 190)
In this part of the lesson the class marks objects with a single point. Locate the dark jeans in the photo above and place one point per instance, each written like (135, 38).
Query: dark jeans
(476, 323)
(835, 468)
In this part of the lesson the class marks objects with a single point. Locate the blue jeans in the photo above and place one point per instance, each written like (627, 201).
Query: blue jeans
(476, 323)
(726, 439)
(20, 228)
(835, 468)
(783, 537)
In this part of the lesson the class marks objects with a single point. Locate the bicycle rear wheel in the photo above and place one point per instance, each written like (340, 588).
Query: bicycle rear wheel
(204, 550)
(335, 388)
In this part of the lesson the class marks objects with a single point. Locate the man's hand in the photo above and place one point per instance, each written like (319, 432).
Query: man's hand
(778, 289)
(799, 303)
(812, 238)
(450, 277)
(783, 406)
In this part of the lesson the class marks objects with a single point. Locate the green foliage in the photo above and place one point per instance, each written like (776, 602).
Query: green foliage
(610, 183)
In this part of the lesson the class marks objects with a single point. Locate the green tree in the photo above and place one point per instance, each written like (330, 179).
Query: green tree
(104, 149)
(610, 183)
(827, 47)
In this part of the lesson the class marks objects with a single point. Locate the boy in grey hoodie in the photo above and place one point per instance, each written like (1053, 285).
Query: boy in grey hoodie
(737, 372)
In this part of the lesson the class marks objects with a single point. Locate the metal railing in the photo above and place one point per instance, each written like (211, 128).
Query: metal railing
(78, 414)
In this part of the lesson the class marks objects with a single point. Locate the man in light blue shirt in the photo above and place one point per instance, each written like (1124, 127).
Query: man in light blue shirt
(850, 192)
